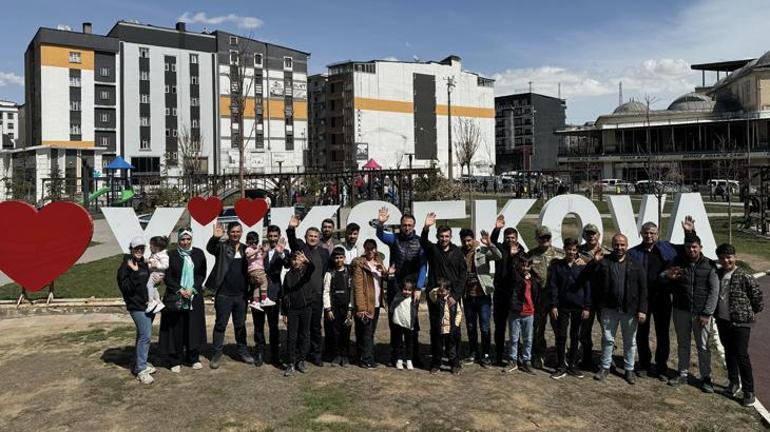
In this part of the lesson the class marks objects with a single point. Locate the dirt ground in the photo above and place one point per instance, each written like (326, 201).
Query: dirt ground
(71, 373)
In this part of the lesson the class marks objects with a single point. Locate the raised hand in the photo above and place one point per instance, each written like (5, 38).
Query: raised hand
(219, 230)
(280, 246)
(500, 222)
(514, 248)
(688, 224)
(302, 258)
(293, 221)
(383, 215)
(132, 265)
(430, 219)
(485, 238)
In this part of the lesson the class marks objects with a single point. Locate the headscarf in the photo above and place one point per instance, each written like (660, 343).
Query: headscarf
(187, 280)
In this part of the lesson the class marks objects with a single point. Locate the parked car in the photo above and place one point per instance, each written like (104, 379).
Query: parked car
(614, 185)
(713, 184)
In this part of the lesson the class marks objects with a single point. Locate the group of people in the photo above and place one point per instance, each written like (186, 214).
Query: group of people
(320, 284)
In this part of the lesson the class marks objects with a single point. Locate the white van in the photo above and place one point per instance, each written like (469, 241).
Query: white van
(714, 183)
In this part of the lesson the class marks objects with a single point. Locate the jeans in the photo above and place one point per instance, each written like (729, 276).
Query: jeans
(271, 313)
(225, 306)
(316, 340)
(297, 334)
(478, 311)
(365, 331)
(572, 320)
(736, 342)
(521, 326)
(611, 319)
(143, 322)
(660, 310)
(686, 323)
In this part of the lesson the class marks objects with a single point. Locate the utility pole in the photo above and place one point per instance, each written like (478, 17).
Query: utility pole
(450, 84)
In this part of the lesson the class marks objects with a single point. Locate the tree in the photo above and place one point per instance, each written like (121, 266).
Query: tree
(728, 168)
(653, 164)
(55, 186)
(467, 142)
(190, 148)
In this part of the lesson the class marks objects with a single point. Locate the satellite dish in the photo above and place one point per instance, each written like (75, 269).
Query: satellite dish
(415, 58)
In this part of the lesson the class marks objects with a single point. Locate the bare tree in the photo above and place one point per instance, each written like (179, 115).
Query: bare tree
(653, 164)
(467, 142)
(728, 168)
(190, 146)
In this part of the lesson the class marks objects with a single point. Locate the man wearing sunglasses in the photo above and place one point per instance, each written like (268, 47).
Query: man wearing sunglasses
(542, 256)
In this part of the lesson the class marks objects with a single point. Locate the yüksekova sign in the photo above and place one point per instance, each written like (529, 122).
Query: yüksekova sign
(125, 224)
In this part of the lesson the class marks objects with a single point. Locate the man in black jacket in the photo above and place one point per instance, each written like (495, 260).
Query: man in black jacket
(445, 261)
(505, 274)
(319, 256)
(275, 261)
(622, 297)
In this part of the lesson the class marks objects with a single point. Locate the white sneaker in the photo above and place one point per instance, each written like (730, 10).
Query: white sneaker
(197, 366)
(176, 369)
(409, 365)
(145, 378)
(267, 302)
(400, 364)
(150, 369)
(159, 307)
(255, 305)
(151, 305)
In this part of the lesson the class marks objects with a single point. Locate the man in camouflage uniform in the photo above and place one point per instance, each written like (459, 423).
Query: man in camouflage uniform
(590, 253)
(542, 256)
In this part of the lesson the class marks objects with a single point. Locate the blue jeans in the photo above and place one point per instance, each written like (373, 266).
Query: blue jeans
(611, 318)
(477, 314)
(521, 325)
(143, 322)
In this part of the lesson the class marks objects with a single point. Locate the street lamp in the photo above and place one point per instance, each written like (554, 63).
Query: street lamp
(450, 84)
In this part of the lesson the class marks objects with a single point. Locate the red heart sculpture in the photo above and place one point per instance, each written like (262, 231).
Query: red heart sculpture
(36, 247)
(250, 211)
(204, 210)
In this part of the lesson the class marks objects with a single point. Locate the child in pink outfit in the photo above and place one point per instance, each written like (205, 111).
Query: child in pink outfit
(255, 256)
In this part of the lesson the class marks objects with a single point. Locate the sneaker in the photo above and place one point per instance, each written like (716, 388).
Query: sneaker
(512, 367)
(575, 372)
(456, 370)
(256, 306)
(289, 371)
(159, 307)
(434, 370)
(145, 378)
(317, 362)
(150, 369)
(369, 365)
(259, 359)
(748, 399)
(246, 358)
(344, 362)
(678, 380)
(537, 363)
(267, 302)
(215, 359)
(400, 364)
(337, 361)
(630, 377)
(485, 362)
(176, 369)
(151, 305)
(469, 360)
(559, 373)
(409, 365)
(732, 389)
(526, 367)
(602, 374)
(706, 385)
(301, 366)
(197, 366)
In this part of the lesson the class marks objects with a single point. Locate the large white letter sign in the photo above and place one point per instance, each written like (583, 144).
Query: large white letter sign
(623, 215)
(691, 204)
(363, 213)
(125, 224)
(279, 216)
(514, 211)
(557, 208)
(443, 210)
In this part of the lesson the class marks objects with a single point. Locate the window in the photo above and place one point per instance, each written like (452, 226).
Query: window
(74, 105)
(168, 133)
(144, 98)
(144, 121)
(235, 127)
(168, 111)
(173, 112)
(194, 102)
(234, 85)
(144, 76)
(193, 58)
(167, 67)
(105, 72)
(144, 53)
(173, 89)
(145, 145)
(74, 81)
(233, 57)
(289, 142)
(104, 94)
(194, 80)
(168, 89)
(288, 64)
(195, 123)
(258, 60)
(173, 67)
(173, 132)
(74, 57)
(104, 117)
(105, 141)
(233, 40)
(74, 129)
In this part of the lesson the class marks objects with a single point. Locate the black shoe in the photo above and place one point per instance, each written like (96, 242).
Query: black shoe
(575, 372)
(588, 366)
(337, 361)
(469, 360)
(630, 377)
(732, 389)
(456, 370)
(317, 362)
(748, 399)
(536, 363)
(678, 380)
(485, 362)
(559, 373)
(652, 371)
(344, 362)
(215, 359)
(706, 385)
(246, 358)
(301, 366)
(526, 367)
(434, 370)
(258, 360)
(289, 371)
(602, 374)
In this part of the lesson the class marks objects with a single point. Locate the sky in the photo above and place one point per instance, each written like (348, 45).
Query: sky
(587, 47)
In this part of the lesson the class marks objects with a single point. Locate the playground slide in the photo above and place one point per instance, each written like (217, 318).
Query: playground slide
(125, 196)
(97, 193)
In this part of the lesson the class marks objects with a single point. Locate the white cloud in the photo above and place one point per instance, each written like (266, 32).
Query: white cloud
(9, 78)
(63, 27)
(244, 22)
(390, 58)
(407, 44)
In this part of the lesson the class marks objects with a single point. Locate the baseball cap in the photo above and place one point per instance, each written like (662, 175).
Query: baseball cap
(590, 228)
(137, 241)
(542, 230)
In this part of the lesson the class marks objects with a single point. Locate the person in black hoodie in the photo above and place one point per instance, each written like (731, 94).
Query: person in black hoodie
(505, 271)
(132, 278)
(445, 261)
(296, 304)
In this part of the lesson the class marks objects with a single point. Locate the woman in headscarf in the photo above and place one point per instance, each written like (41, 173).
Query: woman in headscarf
(183, 321)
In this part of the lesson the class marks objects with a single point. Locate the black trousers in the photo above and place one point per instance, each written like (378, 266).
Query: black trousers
(586, 338)
(271, 313)
(297, 334)
(415, 335)
(568, 323)
(337, 333)
(365, 331)
(538, 334)
(190, 357)
(404, 348)
(316, 340)
(736, 342)
(442, 344)
(660, 311)
(226, 306)
(500, 313)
